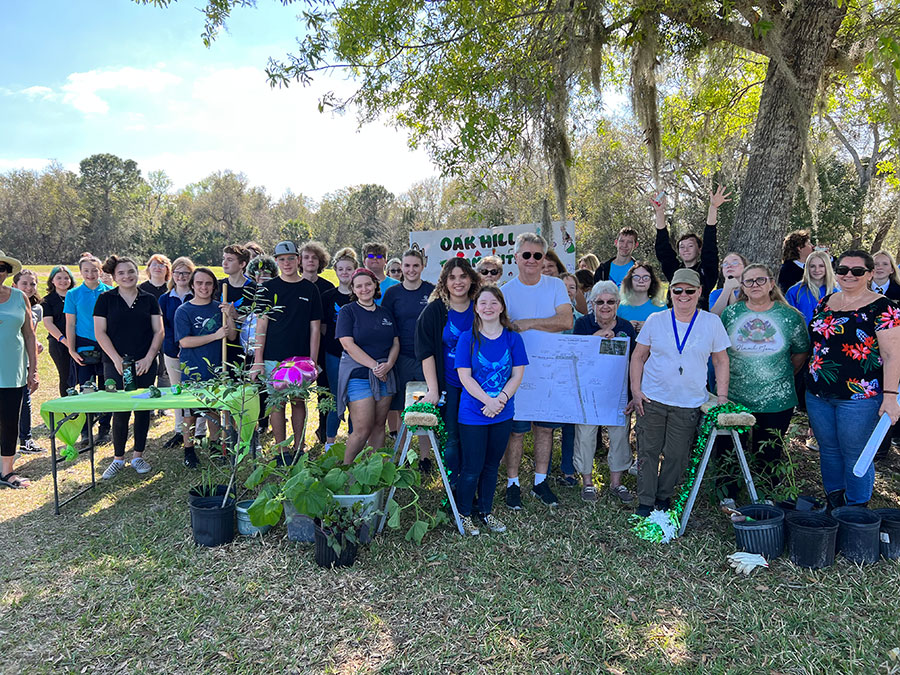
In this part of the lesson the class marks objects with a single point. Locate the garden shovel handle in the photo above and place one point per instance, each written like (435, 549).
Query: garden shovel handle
(868, 453)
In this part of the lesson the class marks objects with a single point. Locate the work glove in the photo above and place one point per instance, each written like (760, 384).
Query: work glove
(745, 563)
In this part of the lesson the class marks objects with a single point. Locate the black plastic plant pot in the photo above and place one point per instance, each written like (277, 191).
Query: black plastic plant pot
(325, 555)
(890, 533)
(803, 503)
(764, 534)
(811, 539)
(211, 523)
(199, 491)
(858, 534)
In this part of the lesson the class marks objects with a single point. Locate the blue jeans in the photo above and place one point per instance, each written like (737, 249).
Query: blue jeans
(842, 429)
(567, 453)
(25, 418)
(450, 413)
(482, 447)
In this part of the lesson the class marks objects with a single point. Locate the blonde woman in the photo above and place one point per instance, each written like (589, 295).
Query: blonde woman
(179, 292)
(886, 275)
(817, 282)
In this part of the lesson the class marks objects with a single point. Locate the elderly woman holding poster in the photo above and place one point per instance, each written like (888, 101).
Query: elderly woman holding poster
(668, 386)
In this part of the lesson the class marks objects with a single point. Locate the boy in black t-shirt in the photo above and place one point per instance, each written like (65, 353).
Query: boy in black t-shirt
(293, 329)
(238, 289)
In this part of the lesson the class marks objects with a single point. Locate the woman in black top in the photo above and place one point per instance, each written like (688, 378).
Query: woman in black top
(128, 324)
(59, 283)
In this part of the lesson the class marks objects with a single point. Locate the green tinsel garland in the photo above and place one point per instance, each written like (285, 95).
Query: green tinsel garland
(647, 529)
(423, 407)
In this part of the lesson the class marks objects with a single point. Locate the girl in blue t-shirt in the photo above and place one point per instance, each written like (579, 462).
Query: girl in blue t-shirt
(490, 362)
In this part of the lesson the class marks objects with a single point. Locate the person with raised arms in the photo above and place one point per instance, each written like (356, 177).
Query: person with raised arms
(129, 326)
(668, 386)
(490, 362)
(694, 253)
(59, 283)
(449, 314)
(199, 331)
(292, 328)
(617, 267)
(366, 379)
(534, 302)
(80, 337)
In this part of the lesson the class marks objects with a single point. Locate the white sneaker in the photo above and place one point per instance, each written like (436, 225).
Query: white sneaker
(114, 468)
(140, 465)
(492, 523)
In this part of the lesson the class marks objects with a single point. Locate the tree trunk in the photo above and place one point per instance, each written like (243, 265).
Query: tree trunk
(782, 127)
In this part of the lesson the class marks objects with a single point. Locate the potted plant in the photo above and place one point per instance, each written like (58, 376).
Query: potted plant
(337, 534)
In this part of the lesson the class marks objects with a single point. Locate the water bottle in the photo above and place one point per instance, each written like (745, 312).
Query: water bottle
(129, 376)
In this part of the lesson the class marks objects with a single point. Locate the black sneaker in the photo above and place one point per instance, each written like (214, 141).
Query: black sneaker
(663, 504)
(514, 496)
(174, 442)
(191, 460)
(566, 481)
(643, 510)
(102, 436)
(543, 492)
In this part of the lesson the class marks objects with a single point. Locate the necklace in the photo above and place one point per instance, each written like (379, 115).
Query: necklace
(369, 306)
(679, 344)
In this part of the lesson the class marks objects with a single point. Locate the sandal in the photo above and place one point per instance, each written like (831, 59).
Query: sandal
(14, 481)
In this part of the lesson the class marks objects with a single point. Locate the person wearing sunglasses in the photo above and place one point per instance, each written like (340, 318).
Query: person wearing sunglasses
(602, 322)
(491, 269)
(668, 386)
(769, 344)
(617, 267)
(395, 269)
(852, 376)
(374, 259)
(700, 255)
(534, 302)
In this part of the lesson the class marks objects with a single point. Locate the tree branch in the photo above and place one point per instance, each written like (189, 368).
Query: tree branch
(718, 30)
(846, 143)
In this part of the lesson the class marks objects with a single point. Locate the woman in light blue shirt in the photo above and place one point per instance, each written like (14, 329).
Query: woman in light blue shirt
(641, 294)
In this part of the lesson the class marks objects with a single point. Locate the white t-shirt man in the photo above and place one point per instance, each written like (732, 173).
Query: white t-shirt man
(534, 302)
(662, 381)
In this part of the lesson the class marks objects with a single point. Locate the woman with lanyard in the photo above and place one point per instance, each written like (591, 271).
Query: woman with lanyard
(668, 386)
(129, 329)
(852, 376)
(345, 262)
(26, 281)
(602, 322)
(179, 292)
(19, 349)
(159, 277)
(199, 331)
(366, 381)
(59, 283)
(769, 344)
(448, 315)
(490, 362)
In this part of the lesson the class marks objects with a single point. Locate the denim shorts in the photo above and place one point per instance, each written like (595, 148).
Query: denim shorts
(358, 389)
(523, 426)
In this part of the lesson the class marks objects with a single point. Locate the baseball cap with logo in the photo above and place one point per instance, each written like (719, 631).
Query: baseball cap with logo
(285, 248)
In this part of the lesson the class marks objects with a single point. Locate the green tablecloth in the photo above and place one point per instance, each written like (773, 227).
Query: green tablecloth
(243, 404)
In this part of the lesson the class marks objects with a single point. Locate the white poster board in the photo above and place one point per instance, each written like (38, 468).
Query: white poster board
(476, 243)
(573, 379)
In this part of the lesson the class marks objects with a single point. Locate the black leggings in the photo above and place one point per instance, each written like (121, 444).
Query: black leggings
(763, 452)
(63, 362)
(120, 419)
(10, 405)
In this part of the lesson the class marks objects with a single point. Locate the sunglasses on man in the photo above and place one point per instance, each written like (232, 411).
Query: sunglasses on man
(374, 256)
(843, 270)
(528, 255)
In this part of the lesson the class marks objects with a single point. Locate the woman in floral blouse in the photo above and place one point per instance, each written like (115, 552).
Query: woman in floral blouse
(853, 373)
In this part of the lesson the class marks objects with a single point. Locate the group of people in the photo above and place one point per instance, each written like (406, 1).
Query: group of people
(824, 334)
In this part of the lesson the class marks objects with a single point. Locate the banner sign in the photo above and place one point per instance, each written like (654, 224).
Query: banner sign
(439, 246)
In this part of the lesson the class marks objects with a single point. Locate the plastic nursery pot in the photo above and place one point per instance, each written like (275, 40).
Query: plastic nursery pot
(325, 555)
(803, 503)
(299, 527)
(890, 532)
(811, 539)
(211, 523)
(764, 534)
(201, 491)
(858, 534)
(244, 526)
(371, 505)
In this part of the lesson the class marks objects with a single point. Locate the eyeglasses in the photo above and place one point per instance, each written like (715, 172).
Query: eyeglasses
(843, 270)
(600, 303)
(5, 268)
(679, 291)
(757, 281)
(641, 277)
(179, 273)
(528, 255)
(493, 273)
(731, 264)
(374, 256)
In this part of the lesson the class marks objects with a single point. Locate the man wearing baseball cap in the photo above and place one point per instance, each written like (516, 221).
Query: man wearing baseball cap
(291, 329)
(668, 385)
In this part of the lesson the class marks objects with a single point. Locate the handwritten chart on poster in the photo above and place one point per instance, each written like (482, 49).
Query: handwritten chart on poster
(474, 244)
(573, 379)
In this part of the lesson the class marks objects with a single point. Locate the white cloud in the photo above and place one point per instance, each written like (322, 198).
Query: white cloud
(32, 164)
(38, 92)
(81, 89)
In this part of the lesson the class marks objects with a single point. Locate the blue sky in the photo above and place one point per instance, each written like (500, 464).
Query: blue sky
(80, 77)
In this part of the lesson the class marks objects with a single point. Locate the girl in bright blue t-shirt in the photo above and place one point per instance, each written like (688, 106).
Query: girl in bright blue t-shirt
(490, 362)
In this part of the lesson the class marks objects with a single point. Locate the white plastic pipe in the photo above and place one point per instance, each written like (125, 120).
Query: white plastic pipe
(868, 454)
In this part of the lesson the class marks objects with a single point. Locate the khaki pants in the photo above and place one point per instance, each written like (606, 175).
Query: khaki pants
(619, 457)
(667, 430)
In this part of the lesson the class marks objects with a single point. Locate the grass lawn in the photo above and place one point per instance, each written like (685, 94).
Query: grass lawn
(115, 584)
